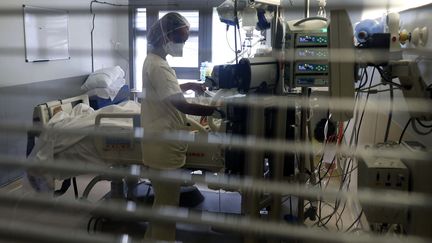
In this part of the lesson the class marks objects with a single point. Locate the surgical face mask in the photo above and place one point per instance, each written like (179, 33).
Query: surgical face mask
(174, 49)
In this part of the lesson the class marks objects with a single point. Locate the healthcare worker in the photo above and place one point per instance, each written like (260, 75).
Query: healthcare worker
(164, 109)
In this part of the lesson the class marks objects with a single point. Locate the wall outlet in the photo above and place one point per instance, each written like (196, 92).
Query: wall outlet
(378, 173)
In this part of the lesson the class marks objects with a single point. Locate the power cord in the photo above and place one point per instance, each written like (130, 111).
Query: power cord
(404, 130)
(355, 221)
(365, 77)
(387, 78)
(364, 108)
(376, 91)
(423, 124)
(390, 116)
(348, 167)
(417, 130)
(227, 40)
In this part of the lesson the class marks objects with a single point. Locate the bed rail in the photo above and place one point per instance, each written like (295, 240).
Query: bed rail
(42, 113)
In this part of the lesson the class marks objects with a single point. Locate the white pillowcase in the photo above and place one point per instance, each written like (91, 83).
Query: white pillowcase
(103, 78)
(109, 92)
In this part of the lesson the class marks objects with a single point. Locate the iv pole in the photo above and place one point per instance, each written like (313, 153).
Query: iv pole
(303, 130)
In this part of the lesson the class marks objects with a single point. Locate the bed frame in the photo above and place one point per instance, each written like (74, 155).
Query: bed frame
(126, 151)
(120, 152)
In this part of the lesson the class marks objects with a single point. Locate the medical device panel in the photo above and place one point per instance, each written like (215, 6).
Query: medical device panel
(306, 41)
(251, 74)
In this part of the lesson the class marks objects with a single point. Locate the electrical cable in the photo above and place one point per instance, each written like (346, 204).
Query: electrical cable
(331, 139)
(320, 221)
(357, 97)
(349, 172)
(325, 174)
(350, 164)
(291, 210)
(91, 35)
(390, 116)
(375, 91)
(417, 130)
(239, 33)
(364, 109)
(244, 51)
(322, 157)
(337, 203)
(355, 221)
(235, 31)
(309, 115)
(318, 168)
(329, 217)
(349, 168)
(328, 170)
(363, 75)
(387, 79)
(227, 40)
(372, 86)
(422, 124)
(345, 175)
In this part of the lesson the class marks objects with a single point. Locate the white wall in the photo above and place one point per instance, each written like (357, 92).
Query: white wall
(122, 38)
(15, 71)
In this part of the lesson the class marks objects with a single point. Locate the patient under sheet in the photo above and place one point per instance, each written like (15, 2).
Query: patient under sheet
(63, 146)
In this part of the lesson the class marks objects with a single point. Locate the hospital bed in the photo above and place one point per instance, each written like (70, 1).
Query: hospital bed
(118, 150)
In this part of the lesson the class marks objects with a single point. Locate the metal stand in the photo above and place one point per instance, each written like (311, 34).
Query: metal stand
(253, 202)
(254, 166)
(302, 156)
(278, 166)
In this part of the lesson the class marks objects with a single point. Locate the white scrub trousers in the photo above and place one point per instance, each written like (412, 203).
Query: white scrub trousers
(166, 194)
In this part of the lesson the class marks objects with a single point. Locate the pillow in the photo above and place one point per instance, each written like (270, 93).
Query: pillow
(103, 78)
(108, 92)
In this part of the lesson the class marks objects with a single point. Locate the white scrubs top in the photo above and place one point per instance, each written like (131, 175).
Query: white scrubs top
(159, 115)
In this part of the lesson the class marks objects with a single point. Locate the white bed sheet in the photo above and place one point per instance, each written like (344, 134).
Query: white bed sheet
(50, 147)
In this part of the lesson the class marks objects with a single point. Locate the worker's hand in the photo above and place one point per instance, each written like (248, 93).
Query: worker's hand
(196, 87)
(204, 121)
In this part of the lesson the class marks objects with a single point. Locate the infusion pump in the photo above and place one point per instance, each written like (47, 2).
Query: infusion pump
(306, 53)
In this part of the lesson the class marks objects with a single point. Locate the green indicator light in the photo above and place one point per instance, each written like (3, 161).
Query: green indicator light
(324, 30)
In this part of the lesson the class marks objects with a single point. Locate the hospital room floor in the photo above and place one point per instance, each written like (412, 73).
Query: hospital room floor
(215, 201)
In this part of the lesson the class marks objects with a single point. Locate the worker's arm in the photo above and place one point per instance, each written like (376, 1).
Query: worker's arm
(179, 102)
(197, 87)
